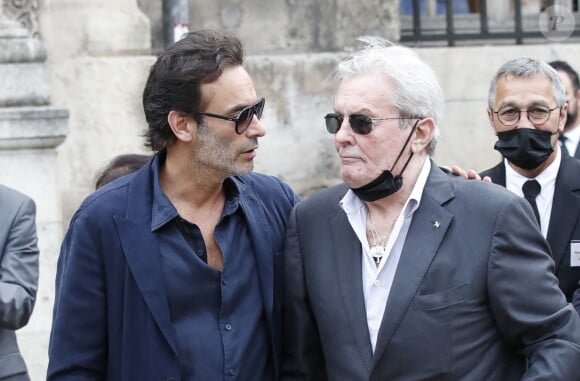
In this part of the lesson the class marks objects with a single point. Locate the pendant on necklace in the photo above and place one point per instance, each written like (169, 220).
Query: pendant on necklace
(378, 252)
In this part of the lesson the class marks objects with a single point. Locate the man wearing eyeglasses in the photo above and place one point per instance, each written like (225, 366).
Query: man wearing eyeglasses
(173, 273)
(527, 110)
(405, 272)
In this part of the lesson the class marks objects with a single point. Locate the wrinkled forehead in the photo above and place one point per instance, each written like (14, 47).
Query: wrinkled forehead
(523, 91)
(370, 91)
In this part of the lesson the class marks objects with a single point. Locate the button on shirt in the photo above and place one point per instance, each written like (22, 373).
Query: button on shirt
(218, 317)
(547, 180)
(377, 281)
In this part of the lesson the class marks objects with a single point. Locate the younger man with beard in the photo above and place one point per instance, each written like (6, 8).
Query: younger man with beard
(173, 273)
(527, 109)
(570, 139)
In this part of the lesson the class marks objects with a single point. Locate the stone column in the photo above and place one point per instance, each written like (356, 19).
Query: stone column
(99, 60)
(30, 130)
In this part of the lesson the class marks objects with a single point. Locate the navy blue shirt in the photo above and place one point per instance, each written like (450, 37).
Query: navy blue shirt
(218, 317)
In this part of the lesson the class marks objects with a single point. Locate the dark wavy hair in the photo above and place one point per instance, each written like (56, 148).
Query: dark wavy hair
(566, 68)
(175, 78)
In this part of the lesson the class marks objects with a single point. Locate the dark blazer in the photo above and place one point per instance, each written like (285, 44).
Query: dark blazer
(577, 152)
(474, 296)
(111, 316)
(564, 220)
(18, 275)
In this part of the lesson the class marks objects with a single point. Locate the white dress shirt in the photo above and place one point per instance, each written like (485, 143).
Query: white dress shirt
(547, 179)
(572, 139)
(377, 281)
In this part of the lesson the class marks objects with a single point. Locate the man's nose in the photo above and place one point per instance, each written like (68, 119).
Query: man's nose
(525, 121)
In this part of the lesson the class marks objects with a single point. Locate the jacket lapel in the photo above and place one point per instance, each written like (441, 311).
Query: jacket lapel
(430, 223)
(141, 249)
(577, 152)
(566, 198)
(347, 259)
(497, 174)
(260, 233)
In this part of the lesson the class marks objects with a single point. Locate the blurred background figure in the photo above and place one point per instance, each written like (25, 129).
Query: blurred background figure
(426, 7)
(18, 277)
(120, 166)
(571, 136)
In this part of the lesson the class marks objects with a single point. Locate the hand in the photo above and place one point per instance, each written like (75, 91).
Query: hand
(470, 174)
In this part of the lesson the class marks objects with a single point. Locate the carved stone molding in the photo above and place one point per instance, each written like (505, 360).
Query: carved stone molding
(25, 12)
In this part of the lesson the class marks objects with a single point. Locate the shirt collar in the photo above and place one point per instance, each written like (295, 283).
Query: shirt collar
(573, 135)
(515, 181)
(163, 210)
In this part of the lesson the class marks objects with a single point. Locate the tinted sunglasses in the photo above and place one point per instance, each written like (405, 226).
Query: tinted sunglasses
(243, 118)
(361, 124)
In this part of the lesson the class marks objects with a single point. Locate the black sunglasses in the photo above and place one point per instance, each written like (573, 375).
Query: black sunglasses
(243, 118)
(361, 124)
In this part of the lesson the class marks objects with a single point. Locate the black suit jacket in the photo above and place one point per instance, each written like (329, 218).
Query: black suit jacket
(564, 221)
(576, 153)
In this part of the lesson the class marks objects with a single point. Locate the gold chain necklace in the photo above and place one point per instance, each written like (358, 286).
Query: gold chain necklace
(379, 249)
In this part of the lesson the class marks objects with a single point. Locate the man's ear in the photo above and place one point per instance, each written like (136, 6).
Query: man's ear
(563, 117)
(181, 124)
(423, 135)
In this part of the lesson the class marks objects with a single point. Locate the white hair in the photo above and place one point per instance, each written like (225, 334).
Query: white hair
(417, 92)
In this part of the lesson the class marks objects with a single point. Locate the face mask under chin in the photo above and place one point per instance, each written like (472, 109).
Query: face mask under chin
(386, 184)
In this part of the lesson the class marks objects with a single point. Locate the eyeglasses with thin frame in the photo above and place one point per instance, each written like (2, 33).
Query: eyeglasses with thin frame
(537, 115)
(244, 118)
(360, 123)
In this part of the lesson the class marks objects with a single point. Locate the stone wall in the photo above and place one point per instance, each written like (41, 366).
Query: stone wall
(286, 26)
(298, 148)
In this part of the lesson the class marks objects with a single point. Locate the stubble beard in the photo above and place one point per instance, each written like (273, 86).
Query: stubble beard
(213, 155)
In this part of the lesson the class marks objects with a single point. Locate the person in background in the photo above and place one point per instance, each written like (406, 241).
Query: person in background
(18, 277)
(120, 165)
(173, 273)
(570, 139)
(458, 6)
(405, 272)
(528, 111)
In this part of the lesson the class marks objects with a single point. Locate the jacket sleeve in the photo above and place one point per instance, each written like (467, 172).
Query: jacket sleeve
(531, 311)
(576, 299)
(19, 268)
(78, 340)
(302, 355)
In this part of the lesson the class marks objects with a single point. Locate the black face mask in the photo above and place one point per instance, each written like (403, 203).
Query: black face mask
(386, 184)
(525, 147)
